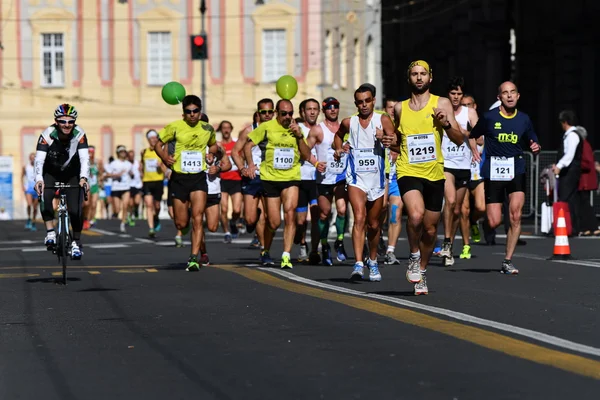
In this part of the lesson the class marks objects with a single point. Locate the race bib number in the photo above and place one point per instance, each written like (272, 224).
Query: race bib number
(93, 180)
(283, 158)
(151, 165)
(475, 171)
(502, 168)
(421, 148)
(191, 161)
(366, 160)
(335, 167)
(454, 151)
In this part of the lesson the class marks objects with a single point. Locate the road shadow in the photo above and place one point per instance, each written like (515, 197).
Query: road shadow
(171, 267)
(340, 280)
(97, 290)
(56, 280)
(405, 293)
(474, 270)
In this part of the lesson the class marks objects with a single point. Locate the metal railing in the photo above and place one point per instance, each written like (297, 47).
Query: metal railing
(545, 159)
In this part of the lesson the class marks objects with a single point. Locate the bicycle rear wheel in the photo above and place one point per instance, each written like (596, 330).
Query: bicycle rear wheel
(63, 247)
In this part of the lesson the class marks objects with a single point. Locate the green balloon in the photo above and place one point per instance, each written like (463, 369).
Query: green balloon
(287, 87)
(173, 93)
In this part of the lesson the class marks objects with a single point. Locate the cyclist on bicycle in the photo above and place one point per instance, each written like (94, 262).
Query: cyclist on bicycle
(62, 156)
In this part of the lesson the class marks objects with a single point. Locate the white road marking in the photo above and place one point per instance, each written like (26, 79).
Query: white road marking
(17, 242)
(102, 231)
(539, 336)
(107, 246)
(31, 249)
(583, 263)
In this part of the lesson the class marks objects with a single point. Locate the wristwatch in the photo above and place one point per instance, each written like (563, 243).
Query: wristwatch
(447, 126)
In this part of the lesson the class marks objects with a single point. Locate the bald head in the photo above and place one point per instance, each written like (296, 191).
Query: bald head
(507, 86)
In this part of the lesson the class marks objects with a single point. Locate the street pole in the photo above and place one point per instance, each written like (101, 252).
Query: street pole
(203, 62)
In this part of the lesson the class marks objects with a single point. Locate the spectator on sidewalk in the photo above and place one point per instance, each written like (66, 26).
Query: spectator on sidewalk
(568, 167)
(588, 182)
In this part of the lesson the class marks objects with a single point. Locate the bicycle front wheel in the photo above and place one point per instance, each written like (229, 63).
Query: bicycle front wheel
(63, 247)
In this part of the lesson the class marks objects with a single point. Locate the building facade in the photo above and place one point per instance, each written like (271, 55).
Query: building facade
(351, 50)
(111, 58)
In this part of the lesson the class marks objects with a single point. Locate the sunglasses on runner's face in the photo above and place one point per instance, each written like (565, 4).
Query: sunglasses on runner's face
(194, 111)
(265, 111)
(65, 122)
(285, 113)
(332, 106)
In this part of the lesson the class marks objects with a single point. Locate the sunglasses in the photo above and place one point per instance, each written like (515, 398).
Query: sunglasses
(332, 106)
(365, 101)
(65, 122)
(265, 111)
(285, 113)
(194, 111)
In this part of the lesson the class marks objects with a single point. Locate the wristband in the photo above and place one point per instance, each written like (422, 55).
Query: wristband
(316, 164)
(447, 126)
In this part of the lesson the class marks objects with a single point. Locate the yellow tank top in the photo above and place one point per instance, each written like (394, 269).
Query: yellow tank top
(151, 163)
(420, 147)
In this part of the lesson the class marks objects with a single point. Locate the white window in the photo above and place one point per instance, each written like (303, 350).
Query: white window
(356, 68)
(53, 60)
(160, 61)
(371, 67)
(274, 54)
(343, 62)
(328, 58)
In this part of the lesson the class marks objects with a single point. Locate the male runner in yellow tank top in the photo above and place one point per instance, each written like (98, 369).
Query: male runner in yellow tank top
(420, 122)
(153, 175)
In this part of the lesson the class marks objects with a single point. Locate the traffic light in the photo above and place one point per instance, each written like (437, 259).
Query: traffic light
(199, 47)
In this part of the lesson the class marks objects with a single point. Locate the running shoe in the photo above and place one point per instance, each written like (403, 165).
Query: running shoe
(227, 238)
(475, 234)
(314, 258)
(204, 261)
(33, 227)
(326, 255)
(76, 252)
(421, 287)
(285, 263)
(437, 249)
(303, 254)
(122, 227)
(86, 225)
(157, 227)
(255, 242)
(446, 254)
(151, 233)
(508, 268)
(28, 224)
(266, 259)
(178, 241)
(192, 264)
(374, 274)
(390, 258)
(341, 252)
(466, 252)
(413, 273)
(357, 272)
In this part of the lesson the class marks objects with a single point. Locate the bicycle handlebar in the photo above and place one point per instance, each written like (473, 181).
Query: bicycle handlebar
(69, 186)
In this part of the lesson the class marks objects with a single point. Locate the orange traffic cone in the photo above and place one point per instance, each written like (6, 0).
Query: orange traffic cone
(562, 250)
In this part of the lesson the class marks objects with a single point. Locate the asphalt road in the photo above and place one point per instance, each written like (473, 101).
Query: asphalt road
(132, 324)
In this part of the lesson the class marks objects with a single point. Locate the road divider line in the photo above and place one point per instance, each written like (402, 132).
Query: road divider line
(108, 246)
(94, 272)
(488, 339)
(531, 334)
(91, 233)
(130, 271)
(103, 232)
(150, 269)
(583, 263)
(26, 275)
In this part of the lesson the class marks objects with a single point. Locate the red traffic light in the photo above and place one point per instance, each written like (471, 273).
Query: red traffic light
(198, 41)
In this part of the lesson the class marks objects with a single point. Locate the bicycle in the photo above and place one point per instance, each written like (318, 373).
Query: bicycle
(63, 236)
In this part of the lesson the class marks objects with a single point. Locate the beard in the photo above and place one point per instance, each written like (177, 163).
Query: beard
(421, 90)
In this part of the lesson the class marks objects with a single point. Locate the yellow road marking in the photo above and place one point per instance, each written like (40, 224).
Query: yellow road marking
(17, 275)
(490, 340)
(91, 233)
(57, 274)
(151, 270)
(94, 272)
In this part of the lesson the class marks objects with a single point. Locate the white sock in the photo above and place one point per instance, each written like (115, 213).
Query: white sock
(415, 255)
(391, 249)
(285, 254)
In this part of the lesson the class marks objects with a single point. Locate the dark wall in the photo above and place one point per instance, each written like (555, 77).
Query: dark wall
(555, 61)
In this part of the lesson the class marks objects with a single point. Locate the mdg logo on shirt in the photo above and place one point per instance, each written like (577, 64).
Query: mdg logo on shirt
(508, 138)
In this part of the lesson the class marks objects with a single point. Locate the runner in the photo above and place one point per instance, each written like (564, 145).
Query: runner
(252, 188)
(420, 122)
(394, 200)
(31, 196)
(120, 171)
(62, 156)
(331, 180)
(231, 186)
(503, 168)
(213, 179)
(474, 203)
(90, 206)
(279, 173)
(153, 176)
(309, 111)
(370, 132)
(188, 164)
(135, 190)
(457, 171)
